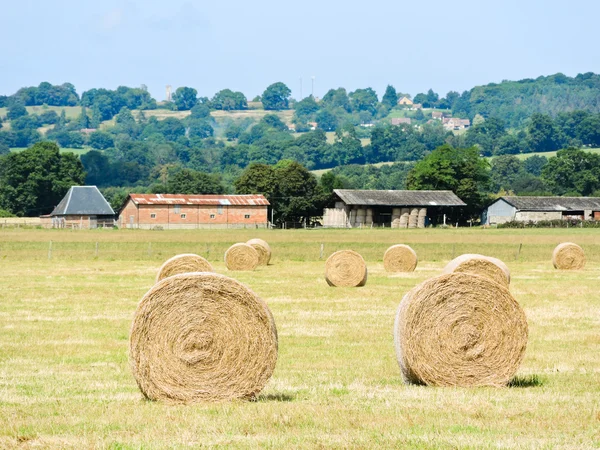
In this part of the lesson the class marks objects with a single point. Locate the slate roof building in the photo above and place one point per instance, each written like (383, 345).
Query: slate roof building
(81, 207)
(525, 209)
(396, 209)
(178, 211)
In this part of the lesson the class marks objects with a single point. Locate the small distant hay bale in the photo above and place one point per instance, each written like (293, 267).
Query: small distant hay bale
(459, 329)
(263, 250)
(400, 258)
(568, 256)
(486, 266)
(241, 257)
(202, 337)
(346, 268)
(184, 263)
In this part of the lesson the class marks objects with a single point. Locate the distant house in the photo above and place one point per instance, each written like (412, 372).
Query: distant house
(178, 211)
(453, 123)
(525, 209)
(437, 115)
(81, 207)
(401, 120)
(88, 130)
(416, 106)
(312, 125)
(405, 101)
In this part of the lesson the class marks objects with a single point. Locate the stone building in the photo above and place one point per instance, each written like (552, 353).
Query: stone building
(395, 209)
(81, 207)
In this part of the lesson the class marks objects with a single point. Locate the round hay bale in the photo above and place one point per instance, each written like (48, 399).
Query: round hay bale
(482, 265)
(202, 337)
(568, 256)
(241, 257)
(184, 263)
(459, 329)
(263, 250)
(346, 268)
(400, 258)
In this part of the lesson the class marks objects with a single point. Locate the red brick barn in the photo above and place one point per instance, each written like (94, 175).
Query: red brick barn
(174, 211)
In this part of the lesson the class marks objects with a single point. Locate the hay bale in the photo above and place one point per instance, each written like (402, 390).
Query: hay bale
(400, 258)
(346, 268)
(241, 257)
(568, 256)
(263, 250)
(482, 265)
(184, 263)
(459, 329)
(202, 337)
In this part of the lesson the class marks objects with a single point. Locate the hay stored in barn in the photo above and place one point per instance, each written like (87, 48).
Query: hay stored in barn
(346, 268)
(486, 266)
(263, 250)
(241, 257)
(202, 337)
(459, 329)
(184, 263)
(568, 256)
(400, 258)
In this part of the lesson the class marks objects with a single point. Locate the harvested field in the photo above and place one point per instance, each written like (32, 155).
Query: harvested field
(65, 380)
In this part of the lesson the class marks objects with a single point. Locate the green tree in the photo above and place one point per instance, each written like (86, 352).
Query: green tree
(188, 181)
(228, 100)
(276, 97)
(543, 134)
(185, 98)
(15, 111)
(99, 171)
(535, 164)
(34, 181)
(572, 171)
(326, 120)
(257, 179)
(200, 111)
(505, 170)
(390, 97)
(101, 140)
(84, 120)
(364, 100)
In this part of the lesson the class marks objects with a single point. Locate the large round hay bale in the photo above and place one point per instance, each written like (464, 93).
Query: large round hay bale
(568, 256)
(482, 265)
(263, 250)
(241, 257)
(459, 329)
(346, 268)
(202, 337)
(400, 258)
(184, 263)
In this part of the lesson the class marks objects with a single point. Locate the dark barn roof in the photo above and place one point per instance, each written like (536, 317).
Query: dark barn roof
(398, 198)
(83, 201)
(553, 203)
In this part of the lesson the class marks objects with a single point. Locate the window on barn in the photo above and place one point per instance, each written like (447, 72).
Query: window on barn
(177, 209)
(153, 216)
(212, 216)
(219, 210)
(247, 216)
(183, 216)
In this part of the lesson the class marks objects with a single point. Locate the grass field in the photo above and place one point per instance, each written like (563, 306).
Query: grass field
(524, 156)
(64, 325)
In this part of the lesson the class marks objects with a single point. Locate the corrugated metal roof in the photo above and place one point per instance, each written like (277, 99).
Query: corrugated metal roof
(398, 198)
(177, 199)
(553, 203)
(83, 201)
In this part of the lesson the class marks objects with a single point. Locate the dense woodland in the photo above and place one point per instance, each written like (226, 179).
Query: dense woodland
(127, 148)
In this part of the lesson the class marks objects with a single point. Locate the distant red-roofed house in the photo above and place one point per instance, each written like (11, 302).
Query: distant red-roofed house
(401, 121)
(175, 211)
(437, 115)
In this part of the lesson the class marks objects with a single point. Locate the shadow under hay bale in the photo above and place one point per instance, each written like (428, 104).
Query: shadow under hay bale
(526, 381)
(346, 268)
(486, 266)
(202, 337)
(263, 250)
(400, 258)
(184, 263)
(241, 257)
(568, 256)
(459, 329)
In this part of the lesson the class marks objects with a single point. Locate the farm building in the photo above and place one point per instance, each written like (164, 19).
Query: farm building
(395, 209)
(175, 211)
(526, 209)
(81, 207)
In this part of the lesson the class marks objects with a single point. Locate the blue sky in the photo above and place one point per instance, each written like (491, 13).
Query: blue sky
(245, 46)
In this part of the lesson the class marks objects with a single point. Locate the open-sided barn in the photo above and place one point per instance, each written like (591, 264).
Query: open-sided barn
(396, 209)
(525, 209)
(176, 211)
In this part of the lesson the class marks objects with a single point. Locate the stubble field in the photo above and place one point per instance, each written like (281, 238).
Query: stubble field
(66, 309)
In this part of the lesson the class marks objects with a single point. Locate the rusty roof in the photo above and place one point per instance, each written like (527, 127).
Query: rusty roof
(398, 198)
(217, 200)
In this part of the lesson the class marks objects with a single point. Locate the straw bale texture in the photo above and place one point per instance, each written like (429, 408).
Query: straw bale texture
(184, 263)
(202, 337)
(459, 329)
(400, 258)
(263, 250)
(482, 265)
(568, 256)
(346, 268)
(241, 257)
